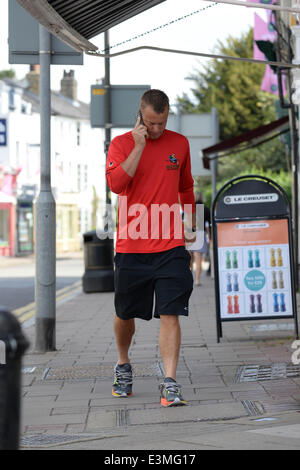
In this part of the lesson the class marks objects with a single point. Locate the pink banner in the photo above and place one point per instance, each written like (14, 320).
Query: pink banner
(265, 2)
(270, 81)
(265, 31)
(9, 182)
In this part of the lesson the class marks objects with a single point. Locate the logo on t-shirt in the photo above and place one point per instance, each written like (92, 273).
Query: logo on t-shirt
(173, 163)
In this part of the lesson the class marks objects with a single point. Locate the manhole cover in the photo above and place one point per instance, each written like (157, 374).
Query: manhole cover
(254, 408)
(255, 373)
(47, 440)
(101, 371)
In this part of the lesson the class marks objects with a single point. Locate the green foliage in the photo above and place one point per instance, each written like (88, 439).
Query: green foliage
(281, 177)
(7, 74)
(233, 88)
(272, 155)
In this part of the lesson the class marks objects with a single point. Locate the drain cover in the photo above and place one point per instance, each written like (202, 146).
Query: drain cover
(101, 371)
(255, 373)
(47, 440)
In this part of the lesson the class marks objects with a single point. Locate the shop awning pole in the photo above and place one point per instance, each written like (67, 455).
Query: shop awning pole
(45, 280)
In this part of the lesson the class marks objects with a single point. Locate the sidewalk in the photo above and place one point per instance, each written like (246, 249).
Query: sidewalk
(8, 261)
(66, 394)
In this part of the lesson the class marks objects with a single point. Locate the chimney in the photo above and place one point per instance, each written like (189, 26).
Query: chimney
(33, 78)
(68, 85)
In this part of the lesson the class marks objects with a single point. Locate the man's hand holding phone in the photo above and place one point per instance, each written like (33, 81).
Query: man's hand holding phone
(139, 133)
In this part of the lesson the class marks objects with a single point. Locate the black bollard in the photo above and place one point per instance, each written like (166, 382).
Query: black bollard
(13, 344)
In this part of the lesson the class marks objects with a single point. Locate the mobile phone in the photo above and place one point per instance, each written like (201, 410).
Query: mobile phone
(141, 119)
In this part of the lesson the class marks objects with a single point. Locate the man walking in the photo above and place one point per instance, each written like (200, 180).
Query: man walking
(150, 169)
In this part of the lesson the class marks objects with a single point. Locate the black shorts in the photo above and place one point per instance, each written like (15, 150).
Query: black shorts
(139, 277)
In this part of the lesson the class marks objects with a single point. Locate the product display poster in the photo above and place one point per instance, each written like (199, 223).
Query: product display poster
(254, 269)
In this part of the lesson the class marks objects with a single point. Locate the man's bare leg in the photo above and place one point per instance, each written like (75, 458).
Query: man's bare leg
(169, 343)
(124, 331)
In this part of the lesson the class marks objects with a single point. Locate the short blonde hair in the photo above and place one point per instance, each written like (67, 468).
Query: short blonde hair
(155, 98)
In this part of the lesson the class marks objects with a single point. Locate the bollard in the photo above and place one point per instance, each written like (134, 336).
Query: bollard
(13, 344)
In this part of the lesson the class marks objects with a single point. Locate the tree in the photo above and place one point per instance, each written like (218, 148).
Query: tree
(7, 74)
(233, 88)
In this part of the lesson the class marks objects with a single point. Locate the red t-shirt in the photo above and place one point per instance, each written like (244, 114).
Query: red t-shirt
(149, 218)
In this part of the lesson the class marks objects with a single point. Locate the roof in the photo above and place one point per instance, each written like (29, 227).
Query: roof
(77, 21)
(60, 104)
(255, 137)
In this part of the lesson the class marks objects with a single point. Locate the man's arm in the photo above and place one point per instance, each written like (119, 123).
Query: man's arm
(139, 135)
(119, 169)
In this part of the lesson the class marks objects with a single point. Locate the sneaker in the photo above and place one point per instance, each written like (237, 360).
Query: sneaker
(122, 386)
(171, 394)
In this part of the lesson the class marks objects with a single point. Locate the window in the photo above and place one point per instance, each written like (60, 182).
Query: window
(4, 227)
(17, 154)
(11, 97)
(85, 177)
(71, 223)
(59, 230)
(79, 178)
(78, 134)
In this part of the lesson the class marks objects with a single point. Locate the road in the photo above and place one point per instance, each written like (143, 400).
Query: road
(17, 281)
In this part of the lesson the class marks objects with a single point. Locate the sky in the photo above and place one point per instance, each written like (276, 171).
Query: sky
(166, 71)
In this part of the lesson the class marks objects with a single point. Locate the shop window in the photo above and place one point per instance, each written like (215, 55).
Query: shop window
(4, 227)
(59, 230)
(70, 224)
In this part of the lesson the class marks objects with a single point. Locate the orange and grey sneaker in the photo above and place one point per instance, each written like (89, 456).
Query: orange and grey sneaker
(170, 392)
(122, 386)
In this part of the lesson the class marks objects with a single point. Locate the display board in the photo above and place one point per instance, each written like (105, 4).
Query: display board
(254, 271)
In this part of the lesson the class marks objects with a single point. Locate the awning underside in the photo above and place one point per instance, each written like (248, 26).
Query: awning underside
(255, 136)
(77, 21)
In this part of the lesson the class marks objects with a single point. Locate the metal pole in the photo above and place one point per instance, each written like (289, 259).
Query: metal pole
(45, 281)
(107, 97)
(214, 161)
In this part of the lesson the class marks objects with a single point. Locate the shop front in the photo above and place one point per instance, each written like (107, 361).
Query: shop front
(25, 227)
(25, 221)
(7, 225)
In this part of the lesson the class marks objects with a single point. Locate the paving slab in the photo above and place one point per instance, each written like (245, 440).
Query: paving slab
(77, 411)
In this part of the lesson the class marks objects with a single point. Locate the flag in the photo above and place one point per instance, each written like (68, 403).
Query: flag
(270, 81)
(265, 31)
(9, 182)
(265, 2)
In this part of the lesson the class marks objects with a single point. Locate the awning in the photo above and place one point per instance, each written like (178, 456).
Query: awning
(254, 137)
(77, 21)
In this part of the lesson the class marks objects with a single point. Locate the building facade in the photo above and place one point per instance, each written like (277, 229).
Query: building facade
(77, 164)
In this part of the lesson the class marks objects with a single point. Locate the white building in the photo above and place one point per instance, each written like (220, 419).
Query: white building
(77, 153)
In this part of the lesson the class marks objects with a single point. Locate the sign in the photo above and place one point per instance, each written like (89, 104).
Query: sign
(125, 102)
(24, 43)
(251, 198)
(3, 133)
(254, 269)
